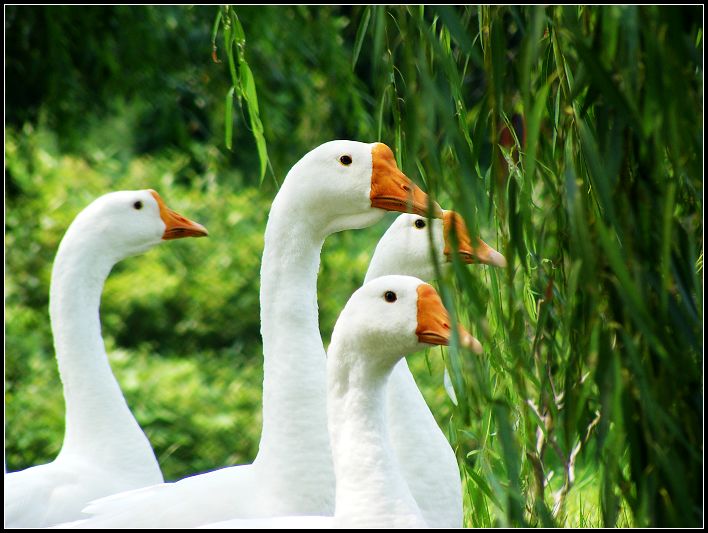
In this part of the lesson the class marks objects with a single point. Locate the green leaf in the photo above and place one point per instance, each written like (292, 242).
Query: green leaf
(229, 117)
(215, 30)
(248, 88)
(534, 129)
(484, 487)
(360, 34)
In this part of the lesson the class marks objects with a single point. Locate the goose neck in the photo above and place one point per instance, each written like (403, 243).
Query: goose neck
(371, 490)
(97, 416)
(294, 383)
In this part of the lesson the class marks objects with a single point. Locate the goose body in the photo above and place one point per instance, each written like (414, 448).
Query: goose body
(426, 459)
(104, 449)
(338, 185)
(385, 318)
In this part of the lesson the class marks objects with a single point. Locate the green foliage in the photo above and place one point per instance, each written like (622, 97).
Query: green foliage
(593, 334)
(574, 132)
(242, 78)
(70, 66)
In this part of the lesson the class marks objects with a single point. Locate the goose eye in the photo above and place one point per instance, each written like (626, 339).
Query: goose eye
(420, 223)
(345, 160)
(390, 296)
(138, 205)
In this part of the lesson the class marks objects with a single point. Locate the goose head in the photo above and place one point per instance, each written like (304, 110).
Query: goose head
(124, 223)
(348, 185)
(405, 248)
(393, 316)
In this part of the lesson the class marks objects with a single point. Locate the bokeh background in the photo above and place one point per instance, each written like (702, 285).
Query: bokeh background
(569, 137)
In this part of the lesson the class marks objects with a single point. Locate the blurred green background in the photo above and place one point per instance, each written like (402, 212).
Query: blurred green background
(570, 137)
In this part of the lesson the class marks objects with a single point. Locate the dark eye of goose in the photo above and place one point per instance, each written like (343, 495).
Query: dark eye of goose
(390, 296)
(138, 205)
(345, 160)
(419, 223)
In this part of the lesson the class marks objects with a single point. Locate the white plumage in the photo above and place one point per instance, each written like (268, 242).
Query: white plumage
(104, 450)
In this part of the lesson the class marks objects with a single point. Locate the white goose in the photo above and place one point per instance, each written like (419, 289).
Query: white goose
(424, 454)
(104, 449)
(338, 185)
(387, 317)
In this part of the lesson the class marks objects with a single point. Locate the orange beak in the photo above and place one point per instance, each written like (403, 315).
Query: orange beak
(434, 322)
(481, 252)
(392, 190)
(177, 226)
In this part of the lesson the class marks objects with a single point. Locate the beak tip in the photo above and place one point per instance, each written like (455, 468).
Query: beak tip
(497, 259)
(473, 344)
(469, 341)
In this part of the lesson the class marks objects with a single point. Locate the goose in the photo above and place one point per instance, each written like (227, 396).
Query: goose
(424, 454)
(104, 450)
(337, 186)
(384, 320)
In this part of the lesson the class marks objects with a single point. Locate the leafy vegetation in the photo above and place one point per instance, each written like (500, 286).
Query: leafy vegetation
(570, 137)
